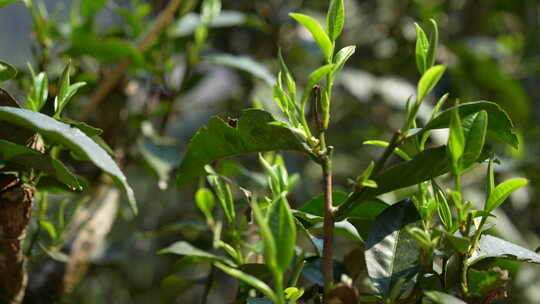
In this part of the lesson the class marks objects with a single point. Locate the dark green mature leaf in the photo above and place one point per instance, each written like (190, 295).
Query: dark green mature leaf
(442, 298)
(494, 247)
(481, 282)
(335, 19)
(474, 130)
(502, 191)
(424, 166)
(21, 155)
(499, 125)
(316, 31)
(72, 138)
(7, 71)
(242, 63)
(256, 131)
(391, 252)
(283, 229)
(315, 205)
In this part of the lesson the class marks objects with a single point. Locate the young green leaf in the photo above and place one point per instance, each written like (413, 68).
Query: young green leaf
(7, 71)
(66, 92)
(422, 49)
(474, 129)
(223, 192)
(315, 77)
(434, 42)
(250, 280)
(73, 139)
(270, 250)
(341, 58)
(456, 141)
(391, 253)
(281, 223)
(39, 92)
(335, 18)
(490, 182)
(318, 33)
(502, 191)
(205, 201)
(443, 209)
(428, 81)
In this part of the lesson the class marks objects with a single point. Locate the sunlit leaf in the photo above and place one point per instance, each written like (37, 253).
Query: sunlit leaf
(73, 139)
(429, 80)
(255, 131)
(317, 31)
(335, 18)
(502, 191)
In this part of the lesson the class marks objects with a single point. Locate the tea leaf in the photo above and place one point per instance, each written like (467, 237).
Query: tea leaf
(422, 49)
(255, 131)
(442, 298)
(7, 71)
(429, 80)
(281, 223)
(316, 30)
(250, 280)
(502, 191)
(73, 139)
(392, 253)
(499, 126)
(21, 155)
(494, 247)
(335, 19)
(474, 129)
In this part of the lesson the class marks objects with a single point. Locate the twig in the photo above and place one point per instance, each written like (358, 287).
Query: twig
(148, 38)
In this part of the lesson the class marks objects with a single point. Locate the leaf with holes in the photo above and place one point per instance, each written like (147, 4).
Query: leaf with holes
(255, 131)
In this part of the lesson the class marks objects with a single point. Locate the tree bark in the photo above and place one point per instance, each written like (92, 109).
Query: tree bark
(15, 211)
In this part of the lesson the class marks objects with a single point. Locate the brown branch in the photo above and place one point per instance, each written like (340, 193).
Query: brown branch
(328, 228)
(15, 211)
(147, 39)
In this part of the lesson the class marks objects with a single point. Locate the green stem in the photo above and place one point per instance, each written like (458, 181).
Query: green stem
(278, 279)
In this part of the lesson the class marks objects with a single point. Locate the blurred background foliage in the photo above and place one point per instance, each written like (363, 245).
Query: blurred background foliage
(491, 48)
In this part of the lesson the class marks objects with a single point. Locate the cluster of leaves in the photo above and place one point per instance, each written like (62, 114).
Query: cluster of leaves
(427, 247)
(431, 246)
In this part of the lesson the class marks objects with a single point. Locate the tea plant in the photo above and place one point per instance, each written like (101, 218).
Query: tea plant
(431, 247)
(30, 148)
